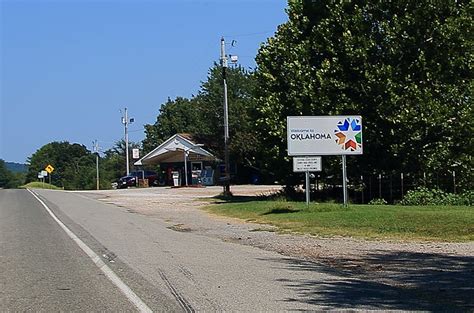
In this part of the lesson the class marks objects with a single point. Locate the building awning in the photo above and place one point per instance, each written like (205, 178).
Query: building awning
(173, 150)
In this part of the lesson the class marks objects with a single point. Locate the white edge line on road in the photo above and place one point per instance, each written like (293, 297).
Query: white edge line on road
(131, 296)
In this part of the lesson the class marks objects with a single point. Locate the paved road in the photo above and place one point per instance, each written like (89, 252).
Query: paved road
(170, 269)
(41, 268)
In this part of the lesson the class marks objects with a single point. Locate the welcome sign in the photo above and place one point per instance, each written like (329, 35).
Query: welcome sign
(324, 135)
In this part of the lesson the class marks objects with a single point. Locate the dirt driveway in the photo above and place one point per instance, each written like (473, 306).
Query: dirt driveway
(438, 271)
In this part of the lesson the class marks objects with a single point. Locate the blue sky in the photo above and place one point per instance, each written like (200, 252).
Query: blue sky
(68, 67)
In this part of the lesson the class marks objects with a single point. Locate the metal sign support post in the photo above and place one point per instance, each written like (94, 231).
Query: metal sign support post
(401, 179)
(186, 168)
(307, 188)
(344, 179)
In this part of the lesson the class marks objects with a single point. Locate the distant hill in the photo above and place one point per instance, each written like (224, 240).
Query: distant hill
(16, 167)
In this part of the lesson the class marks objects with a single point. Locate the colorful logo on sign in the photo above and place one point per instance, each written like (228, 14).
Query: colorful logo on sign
(349, 134)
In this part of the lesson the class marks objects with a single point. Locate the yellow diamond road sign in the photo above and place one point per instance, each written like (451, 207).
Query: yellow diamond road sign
(49, 168)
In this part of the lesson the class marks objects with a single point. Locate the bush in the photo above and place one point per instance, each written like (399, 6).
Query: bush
(377, 201)
(425, 196)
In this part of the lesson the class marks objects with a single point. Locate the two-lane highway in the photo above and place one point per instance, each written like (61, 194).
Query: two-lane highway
(42, 269)
(69, 264)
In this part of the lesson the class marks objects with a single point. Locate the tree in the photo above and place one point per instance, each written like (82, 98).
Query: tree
(176, 116)
(202, 116)
(113, 164)
(6, 176)
(73, 165)
(404, 66)
(240, 86)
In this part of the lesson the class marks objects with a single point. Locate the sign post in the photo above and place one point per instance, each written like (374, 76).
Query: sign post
(41, 177)
(49, 169)
(344, 179)
(307, 164)
(325, 135)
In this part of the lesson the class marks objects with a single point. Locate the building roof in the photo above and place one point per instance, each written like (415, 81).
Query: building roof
(173, 149)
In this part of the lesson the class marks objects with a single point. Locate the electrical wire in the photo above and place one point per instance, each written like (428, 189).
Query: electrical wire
(250, 34)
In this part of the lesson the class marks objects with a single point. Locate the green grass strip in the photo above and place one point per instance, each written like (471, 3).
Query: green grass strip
(433, 223)
(39, 185)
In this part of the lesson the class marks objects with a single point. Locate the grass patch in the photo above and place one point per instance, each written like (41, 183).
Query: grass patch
(434, 223)
(39, 185)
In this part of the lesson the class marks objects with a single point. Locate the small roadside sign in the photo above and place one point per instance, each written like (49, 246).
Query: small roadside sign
(49, 168)
(135, 153)
(307, 164)
(40, 176)
(44, 173)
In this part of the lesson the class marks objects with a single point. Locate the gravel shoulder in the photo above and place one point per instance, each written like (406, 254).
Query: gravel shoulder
(437, 269)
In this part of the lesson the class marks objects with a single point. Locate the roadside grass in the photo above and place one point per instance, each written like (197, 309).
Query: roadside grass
(39, 185)
(433, 223)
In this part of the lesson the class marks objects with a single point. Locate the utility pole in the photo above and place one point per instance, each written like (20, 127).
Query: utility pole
(96, 150)
(125, 122)
(226, 120)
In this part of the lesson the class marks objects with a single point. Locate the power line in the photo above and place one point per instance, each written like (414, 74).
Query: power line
(251, 34)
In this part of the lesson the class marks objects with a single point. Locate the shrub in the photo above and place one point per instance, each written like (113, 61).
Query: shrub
(425, 196)
(377, 201)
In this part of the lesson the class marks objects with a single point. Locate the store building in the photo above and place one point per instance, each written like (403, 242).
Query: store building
(179, 155)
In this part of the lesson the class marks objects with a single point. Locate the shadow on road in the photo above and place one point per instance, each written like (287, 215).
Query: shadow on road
(387, 281)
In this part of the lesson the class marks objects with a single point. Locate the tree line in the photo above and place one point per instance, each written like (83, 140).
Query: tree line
(404, 66)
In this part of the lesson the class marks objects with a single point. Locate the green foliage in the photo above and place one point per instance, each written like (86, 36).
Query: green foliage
(73, 165)
(406, 67)
(9, 179)
(425, 196)
(377, 201)
(16, 167)
(113, 164)
(176, 116)
(202, 116)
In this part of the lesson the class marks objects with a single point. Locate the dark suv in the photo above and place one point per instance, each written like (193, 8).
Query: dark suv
(132, 179)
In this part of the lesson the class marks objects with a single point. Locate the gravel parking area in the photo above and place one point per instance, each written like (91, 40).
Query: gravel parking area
(180, 207)
(433, 268)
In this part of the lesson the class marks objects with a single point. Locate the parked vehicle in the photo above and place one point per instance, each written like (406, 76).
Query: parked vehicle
(132, 179)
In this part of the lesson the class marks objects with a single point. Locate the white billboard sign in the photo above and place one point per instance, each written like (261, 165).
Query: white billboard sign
(324, 135)
(307, 164)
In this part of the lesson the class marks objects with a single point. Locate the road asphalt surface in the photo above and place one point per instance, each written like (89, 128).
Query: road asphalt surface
(42, 269)
(169, 269)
